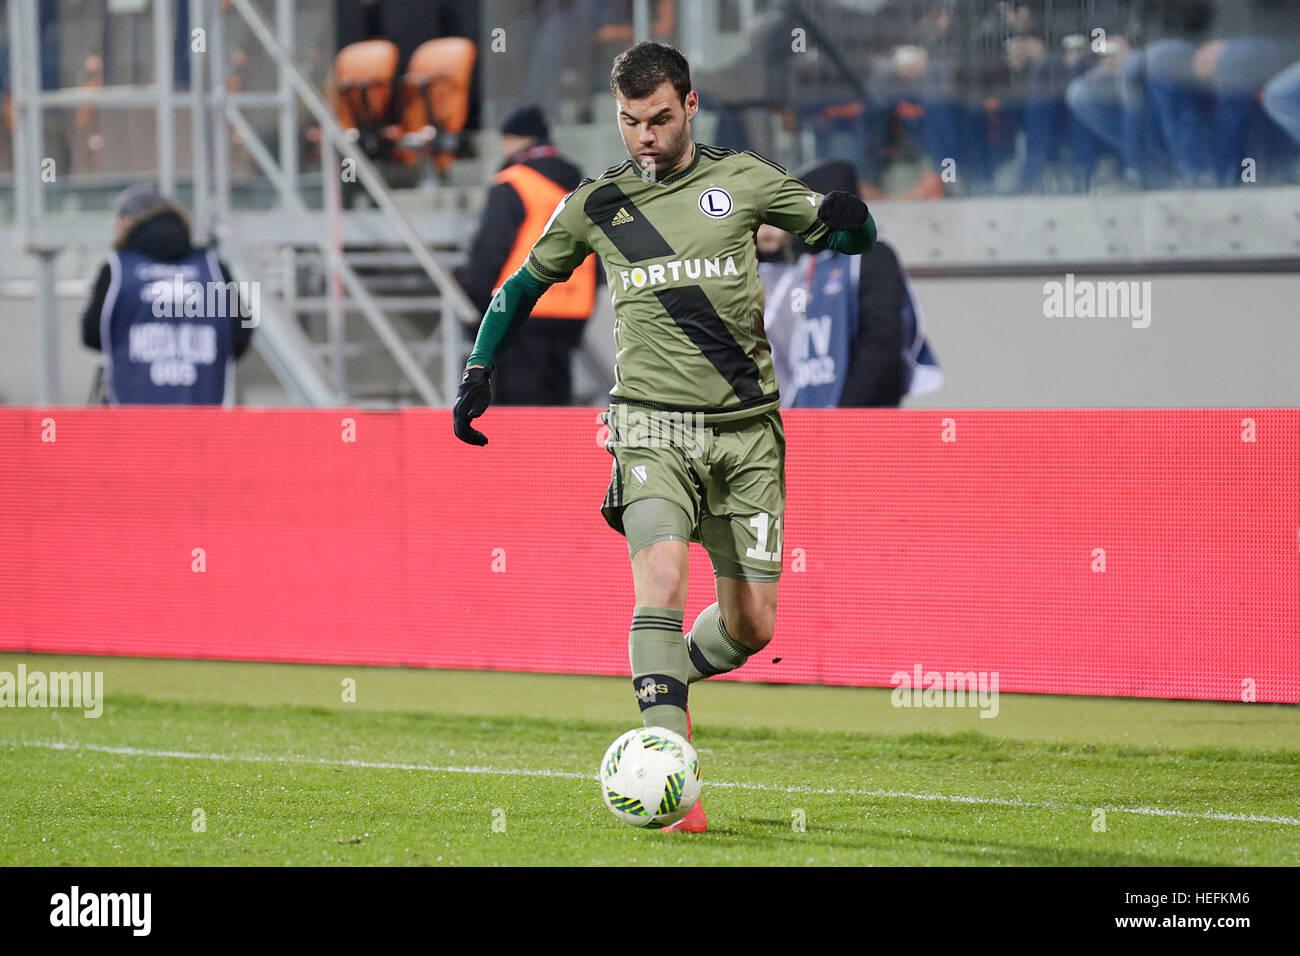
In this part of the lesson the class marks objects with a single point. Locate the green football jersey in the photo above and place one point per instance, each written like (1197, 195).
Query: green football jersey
(680, 258)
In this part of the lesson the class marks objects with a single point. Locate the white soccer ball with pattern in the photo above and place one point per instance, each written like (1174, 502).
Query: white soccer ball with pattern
(650, 777)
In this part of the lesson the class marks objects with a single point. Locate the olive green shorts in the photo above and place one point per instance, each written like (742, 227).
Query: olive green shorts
(729, 478)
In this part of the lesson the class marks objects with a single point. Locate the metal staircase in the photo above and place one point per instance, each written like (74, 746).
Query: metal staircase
(445, 343)
(352, 314)
(358, 364)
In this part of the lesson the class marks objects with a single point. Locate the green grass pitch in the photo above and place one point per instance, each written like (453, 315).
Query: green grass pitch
(211, 763)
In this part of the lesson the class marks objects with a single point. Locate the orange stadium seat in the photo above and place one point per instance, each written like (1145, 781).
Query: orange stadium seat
(364, 75)
(435, 96)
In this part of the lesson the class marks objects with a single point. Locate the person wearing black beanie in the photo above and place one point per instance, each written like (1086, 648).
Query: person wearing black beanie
(532, 179)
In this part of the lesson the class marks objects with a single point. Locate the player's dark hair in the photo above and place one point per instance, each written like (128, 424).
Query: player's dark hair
(640, 69)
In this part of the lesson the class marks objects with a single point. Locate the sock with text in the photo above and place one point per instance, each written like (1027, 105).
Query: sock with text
(660, 664)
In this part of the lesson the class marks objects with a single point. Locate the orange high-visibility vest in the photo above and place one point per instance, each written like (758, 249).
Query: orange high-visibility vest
(576, 296)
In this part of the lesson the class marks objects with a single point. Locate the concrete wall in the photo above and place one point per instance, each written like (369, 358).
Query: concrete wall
(21, 371)
(1213, 340)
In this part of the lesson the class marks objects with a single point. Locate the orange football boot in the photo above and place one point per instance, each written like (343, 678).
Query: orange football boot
(695, 821)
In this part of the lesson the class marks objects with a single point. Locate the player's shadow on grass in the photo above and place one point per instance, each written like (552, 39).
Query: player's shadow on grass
(952, 849)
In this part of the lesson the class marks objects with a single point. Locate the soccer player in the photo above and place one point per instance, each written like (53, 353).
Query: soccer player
(695, 430)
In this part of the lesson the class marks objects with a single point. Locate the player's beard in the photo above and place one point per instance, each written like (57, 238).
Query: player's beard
(669, 154)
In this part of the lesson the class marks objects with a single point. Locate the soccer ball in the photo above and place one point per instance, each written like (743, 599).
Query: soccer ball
(650, 777)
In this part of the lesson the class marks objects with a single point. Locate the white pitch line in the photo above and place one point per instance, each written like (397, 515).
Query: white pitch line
(569, 775)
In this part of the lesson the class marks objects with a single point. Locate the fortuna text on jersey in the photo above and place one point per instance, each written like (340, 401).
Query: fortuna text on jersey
(657, 274)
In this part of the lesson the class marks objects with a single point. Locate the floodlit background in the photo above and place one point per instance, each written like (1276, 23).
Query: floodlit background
(1001, 146)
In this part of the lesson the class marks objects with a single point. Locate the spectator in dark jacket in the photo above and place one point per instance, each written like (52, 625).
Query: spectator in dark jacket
(537, 369)
(1281, 99)
(845, 331)
(168, 317)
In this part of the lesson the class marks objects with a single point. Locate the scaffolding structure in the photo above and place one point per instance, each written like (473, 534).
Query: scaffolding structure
(217, 113)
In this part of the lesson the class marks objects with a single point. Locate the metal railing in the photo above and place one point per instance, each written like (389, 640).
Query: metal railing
(215, 115)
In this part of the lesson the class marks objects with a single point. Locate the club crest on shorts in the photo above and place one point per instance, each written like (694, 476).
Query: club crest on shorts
(715, 202)
(640, 472)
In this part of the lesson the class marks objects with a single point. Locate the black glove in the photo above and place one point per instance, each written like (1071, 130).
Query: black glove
(842, 212)
(472, 400)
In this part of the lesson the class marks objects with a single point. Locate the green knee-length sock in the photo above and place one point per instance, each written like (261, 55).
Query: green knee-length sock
(660, 664)
(710, 649)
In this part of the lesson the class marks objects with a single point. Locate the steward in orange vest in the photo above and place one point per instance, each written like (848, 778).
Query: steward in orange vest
(537, 369)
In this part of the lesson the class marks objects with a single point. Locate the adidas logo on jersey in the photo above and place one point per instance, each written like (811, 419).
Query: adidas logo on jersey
(658, 273)
(621, 218)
